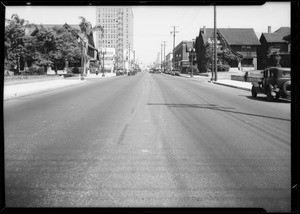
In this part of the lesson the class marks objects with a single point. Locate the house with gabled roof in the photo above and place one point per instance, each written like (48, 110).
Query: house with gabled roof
(277, 42)
(242, 43)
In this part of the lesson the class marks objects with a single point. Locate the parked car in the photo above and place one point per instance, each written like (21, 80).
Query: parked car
(176, 72)
(275, 83)
(131, 73)
(119, 72)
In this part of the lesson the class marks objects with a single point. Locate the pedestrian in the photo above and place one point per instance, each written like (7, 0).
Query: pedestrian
(246, 76)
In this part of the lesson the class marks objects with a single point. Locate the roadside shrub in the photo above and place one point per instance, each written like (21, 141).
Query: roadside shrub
(32, 70)
(40, 71)
(68, 70)
(223, 67)
(35, 70)
(75, 70)
(195, 69)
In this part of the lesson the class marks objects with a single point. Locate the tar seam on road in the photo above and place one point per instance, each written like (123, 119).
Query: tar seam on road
(121, 138)
(132, 110)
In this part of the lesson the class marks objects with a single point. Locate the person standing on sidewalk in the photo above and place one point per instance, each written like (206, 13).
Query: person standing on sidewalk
(246, 76)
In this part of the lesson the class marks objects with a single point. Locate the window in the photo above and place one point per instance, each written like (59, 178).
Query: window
(286, 74)
(246, 48)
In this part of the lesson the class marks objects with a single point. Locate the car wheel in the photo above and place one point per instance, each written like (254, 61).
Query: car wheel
(253, 92)
(269, 95)
(287, 88)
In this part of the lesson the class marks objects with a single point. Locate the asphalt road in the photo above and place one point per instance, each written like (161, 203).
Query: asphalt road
(150, 140)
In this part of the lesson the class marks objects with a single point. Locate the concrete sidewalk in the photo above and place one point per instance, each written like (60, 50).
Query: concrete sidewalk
(99, 76)
(225, 82)
(24, 89)
(234, 84)
(13, 90)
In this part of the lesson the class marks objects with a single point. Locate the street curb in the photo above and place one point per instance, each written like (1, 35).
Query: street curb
(194, 77)
(184, 76)
(32, 92)
(232, 86)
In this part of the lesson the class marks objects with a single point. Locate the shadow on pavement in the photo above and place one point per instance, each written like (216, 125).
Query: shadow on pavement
(264, 99)
(213, 107)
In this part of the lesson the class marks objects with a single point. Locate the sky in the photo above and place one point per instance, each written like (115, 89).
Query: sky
(153, 24)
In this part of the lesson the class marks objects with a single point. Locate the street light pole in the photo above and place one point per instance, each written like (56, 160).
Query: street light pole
(129, 67)
(161, 53)
(103, 53)
(215, 42)
(82, 61)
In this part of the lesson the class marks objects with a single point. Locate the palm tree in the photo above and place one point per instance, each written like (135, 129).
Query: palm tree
(86, 29)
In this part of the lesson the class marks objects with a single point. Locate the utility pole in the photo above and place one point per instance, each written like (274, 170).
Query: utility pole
(174, 33)
(164, 55)
(161, 50)
(215, 42)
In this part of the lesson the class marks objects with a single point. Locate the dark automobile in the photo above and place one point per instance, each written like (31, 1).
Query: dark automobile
(176, 72)
(157, 71)
(119, 73)
(131, 73)
(275, 83)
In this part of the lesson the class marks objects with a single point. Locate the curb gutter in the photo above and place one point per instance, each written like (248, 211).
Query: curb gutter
(233, 86)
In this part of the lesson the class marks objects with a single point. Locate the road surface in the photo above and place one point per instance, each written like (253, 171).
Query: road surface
(149, 140)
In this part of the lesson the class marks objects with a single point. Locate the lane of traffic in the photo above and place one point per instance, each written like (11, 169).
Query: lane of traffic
(245, 157)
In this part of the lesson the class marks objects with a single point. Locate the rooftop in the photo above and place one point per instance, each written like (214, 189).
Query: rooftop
(234, 36)
(280, 35)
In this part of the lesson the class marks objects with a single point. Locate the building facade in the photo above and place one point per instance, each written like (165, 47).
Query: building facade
(279, 42)
(117, 22)
(181, 56)
(241, 43)
(169, 61)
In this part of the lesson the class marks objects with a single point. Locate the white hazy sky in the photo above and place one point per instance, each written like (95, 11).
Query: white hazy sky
(152, 24)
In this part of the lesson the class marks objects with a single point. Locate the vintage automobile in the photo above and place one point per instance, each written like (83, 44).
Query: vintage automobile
(275, 83)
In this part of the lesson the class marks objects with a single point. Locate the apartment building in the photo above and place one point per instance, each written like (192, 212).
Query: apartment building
(118, 31)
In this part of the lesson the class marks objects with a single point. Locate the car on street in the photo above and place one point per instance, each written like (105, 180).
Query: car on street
(275, 83)
(176, 72)
(131, 73)
(157, 71)
(119, 73)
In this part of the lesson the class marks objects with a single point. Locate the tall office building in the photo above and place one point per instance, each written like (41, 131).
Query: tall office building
(118, 31)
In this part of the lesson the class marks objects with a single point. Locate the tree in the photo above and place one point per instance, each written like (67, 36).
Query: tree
(45, 45)
(225, 56)
(14, 46)
(66, 48)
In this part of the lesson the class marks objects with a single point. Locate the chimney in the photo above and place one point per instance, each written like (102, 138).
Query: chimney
(269, 29)
(204, 30)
